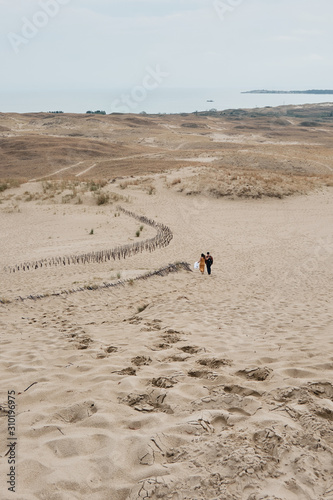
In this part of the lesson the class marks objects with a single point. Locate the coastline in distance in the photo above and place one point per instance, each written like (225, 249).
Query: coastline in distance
(313, 91)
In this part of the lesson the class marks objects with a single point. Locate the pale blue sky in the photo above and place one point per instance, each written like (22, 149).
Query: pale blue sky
(103, 44)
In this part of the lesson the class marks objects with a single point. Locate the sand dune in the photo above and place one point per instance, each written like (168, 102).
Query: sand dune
(180, 386)
(286, 139)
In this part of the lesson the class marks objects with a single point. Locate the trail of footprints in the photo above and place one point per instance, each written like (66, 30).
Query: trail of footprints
(243, 449)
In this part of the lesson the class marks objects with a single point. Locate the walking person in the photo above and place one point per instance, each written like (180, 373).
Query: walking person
(209, 262)
(202, 263)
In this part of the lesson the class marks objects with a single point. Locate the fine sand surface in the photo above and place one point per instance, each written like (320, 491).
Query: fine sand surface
(176, 386)
(221, 388)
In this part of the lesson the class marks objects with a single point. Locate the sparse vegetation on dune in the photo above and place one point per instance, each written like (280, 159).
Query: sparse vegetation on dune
(10, 183)
(75, 155)
(64, 191)
(248, 183)
(102, 199)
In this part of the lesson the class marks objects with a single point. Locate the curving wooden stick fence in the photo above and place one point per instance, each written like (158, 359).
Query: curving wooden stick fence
(163, 271)
(162, 239)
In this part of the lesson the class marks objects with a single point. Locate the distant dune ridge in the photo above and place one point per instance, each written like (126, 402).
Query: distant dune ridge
(39, 145)
(138, 377)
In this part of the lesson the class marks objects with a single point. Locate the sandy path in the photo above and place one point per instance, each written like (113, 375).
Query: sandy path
(70, 167)
(86, 170)
(57, 172)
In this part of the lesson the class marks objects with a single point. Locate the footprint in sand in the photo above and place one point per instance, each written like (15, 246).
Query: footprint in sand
(202, 374)
(126, 371)
(322, 389)
(172, 338)
(68, 447)
(219, 423)
(154, 401)
(163, 382)
(190, 349)
(259, 374)
(77, 412)
(326, 413)
(214, 362)
(84, 342)
(176, 455)
(141, 360)
(241, 391)
(268, 440)
(162, 346)
(110, 349)
(177, 357)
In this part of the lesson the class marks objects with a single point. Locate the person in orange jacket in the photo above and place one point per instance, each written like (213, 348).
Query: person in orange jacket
(202, 263)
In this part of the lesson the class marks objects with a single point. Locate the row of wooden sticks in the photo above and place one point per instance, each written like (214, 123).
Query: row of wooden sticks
(162, 271)
(162, 239)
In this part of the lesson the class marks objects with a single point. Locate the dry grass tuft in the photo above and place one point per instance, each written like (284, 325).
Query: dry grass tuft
(102, 199)
(175, 181)
(10, 183)
(65, 191)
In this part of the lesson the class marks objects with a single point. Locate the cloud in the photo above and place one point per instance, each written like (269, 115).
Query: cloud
(308, 33)
(314, 58)
(109, 43)
(286, 38)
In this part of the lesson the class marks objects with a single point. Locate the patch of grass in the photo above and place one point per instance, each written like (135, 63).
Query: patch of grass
(66, 198)
(13, 208)
(96, 185)
(253, 184)
(102, 199)
(10, 183)
(49, 186)
(176, 181)
(28, 196)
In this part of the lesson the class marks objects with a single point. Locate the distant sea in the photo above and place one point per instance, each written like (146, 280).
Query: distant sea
(138, 100)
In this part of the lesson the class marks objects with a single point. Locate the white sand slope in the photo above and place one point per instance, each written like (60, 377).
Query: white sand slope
(220, 388)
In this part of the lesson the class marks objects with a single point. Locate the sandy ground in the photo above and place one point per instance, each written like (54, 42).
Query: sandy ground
(220, 388)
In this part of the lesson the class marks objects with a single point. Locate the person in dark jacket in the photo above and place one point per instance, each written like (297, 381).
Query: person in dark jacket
(209, 262)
